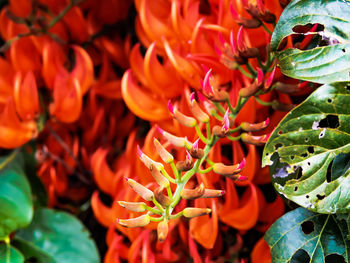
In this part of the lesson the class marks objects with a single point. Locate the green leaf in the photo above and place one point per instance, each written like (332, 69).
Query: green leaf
(320, 65)
(10, 255)
(15, 196)
(56, 237)
(304, 236)
(309, 151)
(325, 64)
(334, 15)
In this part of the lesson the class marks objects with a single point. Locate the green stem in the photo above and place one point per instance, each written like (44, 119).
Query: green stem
(156, 219)
(219, 107)
(167, 176)
(205, 170)
(233, 138)
(200, 134)
(245, 73)
(252, 70)
(264, 103)
(217, 116)
(8, 249)
(266, 29)
(10, 158)
(229, 105)
(153, 210)
(158, 205)
(175, 172)
(208, 130)
(170, 194)
(178, 215)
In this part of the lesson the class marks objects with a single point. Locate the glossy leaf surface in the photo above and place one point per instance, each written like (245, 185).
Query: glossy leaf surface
(322, 64)
(309, 151)
(15, 196)
(57, 237)
(10, 255)
(305, 236)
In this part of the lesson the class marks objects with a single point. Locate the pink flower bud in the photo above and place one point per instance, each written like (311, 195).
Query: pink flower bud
(191, 212)
(141, 190)
(197, 111)
(175, 140)
(191, 194)
(188, 157)
(135, 222)
(195, 145)
(240, 40)
(269, 80)
(207, 88)
(133, 206)
(233, 44)
(252, 127)
(170, 107)
(226, 121)
(260, 77)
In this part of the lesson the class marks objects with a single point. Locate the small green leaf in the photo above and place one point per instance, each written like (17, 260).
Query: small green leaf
(10, 255)
(324, 64)
(15, 196)
(55, 237)
(309, 151)
(304, 236)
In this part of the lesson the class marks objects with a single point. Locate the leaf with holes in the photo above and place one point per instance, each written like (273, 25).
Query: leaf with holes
(309, 151)
(54, 237)
(324, 64)
(305, 236)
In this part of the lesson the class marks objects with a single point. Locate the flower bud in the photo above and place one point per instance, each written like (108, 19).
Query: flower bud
(135, 222)
(191, 194)
(183, 166)
(161, 197)
(219, 132)
(212, 193)
(197, 111)
(148, 162)
(249, 90)
(142, 191)
(228, 170)
(280, 106)
(162, 230)
(286, 88)
(175, 140)
(180, 117)
(133, 206)
(163, 153)
(191, 212)
(255, 140)
(160, 178)
(252, 127)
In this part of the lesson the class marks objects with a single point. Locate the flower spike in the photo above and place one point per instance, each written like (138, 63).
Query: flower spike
(142, 191)
(226, 121)
(207, 88)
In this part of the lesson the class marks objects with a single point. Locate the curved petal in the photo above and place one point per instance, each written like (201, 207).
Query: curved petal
(142, 103)
(261, 252)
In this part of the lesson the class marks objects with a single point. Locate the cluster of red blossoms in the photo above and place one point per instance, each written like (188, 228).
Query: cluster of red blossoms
(193, 69)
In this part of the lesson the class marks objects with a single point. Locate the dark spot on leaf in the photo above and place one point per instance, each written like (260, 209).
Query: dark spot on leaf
(301, 256)
(307, 227)
(306, 139)
(295, 188)
(348, 86)
(331, 121)
(329, 101)
(280, 132)
(308, 163)
(310, 149)
(320, 197)
(304, 155)
(307, 196)
(292, 157)
(299, 172)
(278, 145)
(32, 260)
(329, 172)
(335, 258)
(343, 49)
